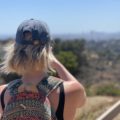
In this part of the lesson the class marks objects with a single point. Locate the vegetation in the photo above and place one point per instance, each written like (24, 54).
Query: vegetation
(106, 88)
(72, 50)
(69, 59)
(96, 64)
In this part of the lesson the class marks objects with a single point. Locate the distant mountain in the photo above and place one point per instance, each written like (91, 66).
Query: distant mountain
(6, 36)
(87, 36)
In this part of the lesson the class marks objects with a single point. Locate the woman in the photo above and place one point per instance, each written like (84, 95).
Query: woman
(37, 95)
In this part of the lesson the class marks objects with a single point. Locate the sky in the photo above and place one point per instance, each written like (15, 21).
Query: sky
(62, 16)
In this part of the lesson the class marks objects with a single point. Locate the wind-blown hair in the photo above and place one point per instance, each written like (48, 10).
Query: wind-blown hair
(23, 59)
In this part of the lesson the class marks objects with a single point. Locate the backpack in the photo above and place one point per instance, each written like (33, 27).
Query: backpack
(31, 105)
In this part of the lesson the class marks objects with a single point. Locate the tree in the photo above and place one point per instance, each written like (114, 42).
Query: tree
(69, 60)
(77, 47)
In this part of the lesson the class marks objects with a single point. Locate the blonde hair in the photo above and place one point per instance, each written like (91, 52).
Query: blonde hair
(27, 58)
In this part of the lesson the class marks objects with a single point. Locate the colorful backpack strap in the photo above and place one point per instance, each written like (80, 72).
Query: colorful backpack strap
(46, 85)
(49, 84)
(13, 86)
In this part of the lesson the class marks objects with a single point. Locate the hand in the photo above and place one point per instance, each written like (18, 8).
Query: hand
(54, 60)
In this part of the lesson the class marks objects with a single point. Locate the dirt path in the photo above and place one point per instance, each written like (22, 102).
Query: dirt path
(94, 107)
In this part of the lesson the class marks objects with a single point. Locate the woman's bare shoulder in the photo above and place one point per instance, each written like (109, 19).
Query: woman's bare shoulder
(72, 86)
(74, 91)
(2, 87)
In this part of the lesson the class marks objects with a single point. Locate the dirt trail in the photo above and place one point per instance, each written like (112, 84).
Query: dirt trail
(94, 107)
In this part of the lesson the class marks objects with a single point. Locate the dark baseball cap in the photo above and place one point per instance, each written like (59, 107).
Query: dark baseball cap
(38, 32)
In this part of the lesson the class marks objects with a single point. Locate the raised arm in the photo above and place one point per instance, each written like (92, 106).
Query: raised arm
(74, 90)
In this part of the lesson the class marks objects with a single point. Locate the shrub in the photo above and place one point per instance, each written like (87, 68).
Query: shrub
(106, 88)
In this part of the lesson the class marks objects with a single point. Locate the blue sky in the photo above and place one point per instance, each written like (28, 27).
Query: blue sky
(62, 16)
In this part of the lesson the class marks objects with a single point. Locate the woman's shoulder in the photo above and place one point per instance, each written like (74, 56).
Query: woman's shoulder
(70, 87)
(2, 87)
(74, 91)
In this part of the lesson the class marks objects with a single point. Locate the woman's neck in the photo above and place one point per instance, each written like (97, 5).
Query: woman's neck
(33, 78)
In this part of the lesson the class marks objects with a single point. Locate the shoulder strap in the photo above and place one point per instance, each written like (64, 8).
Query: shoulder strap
(2, 98)
(60, 109)
(13, 86)
(48, 84)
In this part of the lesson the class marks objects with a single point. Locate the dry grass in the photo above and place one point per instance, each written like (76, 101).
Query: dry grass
(117, 117)
(94, 107)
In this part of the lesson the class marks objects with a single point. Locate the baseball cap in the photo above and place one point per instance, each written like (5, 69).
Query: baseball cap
(32, 32)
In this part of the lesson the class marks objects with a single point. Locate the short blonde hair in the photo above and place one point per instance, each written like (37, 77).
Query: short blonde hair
(27, 58)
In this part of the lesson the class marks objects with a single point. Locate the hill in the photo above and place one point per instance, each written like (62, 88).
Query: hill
(93, 35)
